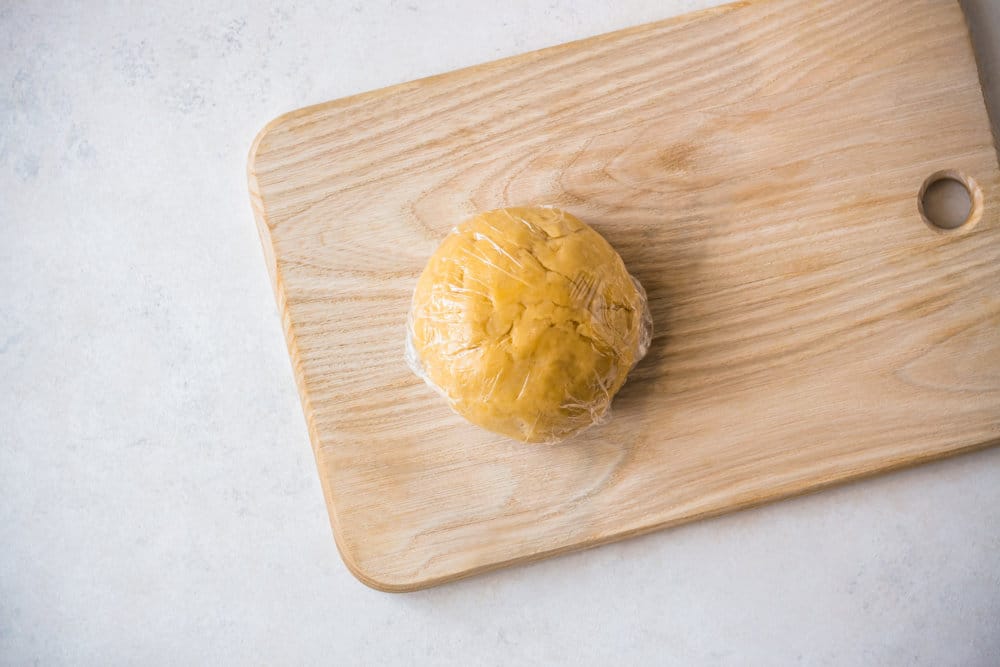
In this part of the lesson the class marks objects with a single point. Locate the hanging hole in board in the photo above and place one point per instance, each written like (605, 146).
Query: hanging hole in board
(949, 200)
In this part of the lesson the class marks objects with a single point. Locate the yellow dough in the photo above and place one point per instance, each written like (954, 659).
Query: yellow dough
(527, 321)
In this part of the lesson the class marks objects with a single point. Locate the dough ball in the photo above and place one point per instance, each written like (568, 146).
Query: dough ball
(527, 321)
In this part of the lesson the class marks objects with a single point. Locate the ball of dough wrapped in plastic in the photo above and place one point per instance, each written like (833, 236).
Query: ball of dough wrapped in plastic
(527, 322)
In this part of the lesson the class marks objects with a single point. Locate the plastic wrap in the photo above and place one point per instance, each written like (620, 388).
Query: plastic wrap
(527, 322)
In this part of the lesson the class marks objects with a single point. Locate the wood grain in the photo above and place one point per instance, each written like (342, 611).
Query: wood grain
(757, 166)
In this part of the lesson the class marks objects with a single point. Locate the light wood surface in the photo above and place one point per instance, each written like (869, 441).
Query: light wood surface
(758, 168)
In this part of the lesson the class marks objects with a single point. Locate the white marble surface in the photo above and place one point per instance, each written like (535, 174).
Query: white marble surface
(158, 499)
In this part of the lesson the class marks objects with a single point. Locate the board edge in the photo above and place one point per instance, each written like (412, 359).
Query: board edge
(790, 491)
(545, 51)
(259, 207)
(992, 115)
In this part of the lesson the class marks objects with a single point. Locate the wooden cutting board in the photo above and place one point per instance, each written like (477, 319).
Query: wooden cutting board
(758, 168)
